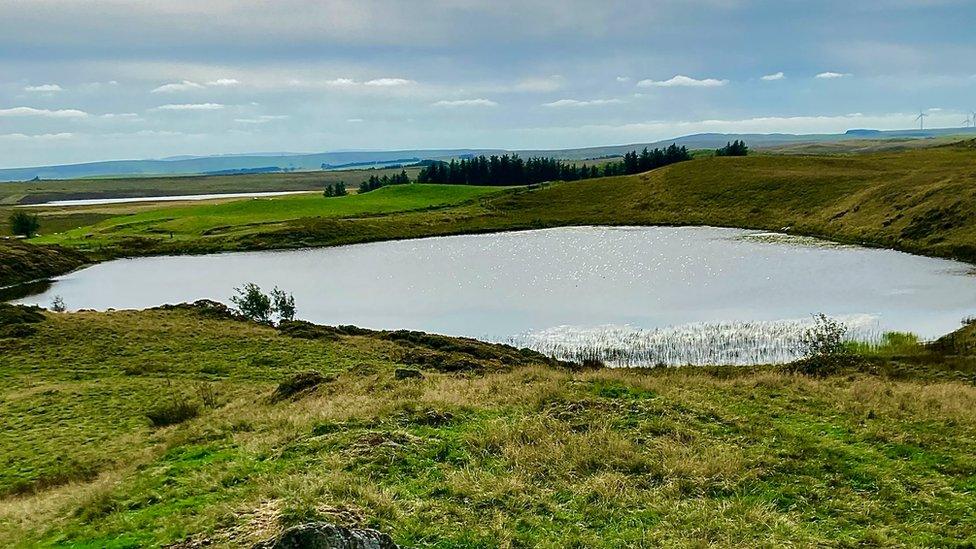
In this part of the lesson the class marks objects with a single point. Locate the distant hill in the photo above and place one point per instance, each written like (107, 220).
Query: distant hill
(243, 163)
(225, 164)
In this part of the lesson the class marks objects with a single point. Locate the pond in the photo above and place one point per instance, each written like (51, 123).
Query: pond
(627, 295)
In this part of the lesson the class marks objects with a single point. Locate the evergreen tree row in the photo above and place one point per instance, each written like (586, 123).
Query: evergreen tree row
(513, 170)
(339, 189)
(374, 182)
(735, 148)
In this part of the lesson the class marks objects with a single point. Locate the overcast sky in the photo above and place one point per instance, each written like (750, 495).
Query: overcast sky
(84, 80)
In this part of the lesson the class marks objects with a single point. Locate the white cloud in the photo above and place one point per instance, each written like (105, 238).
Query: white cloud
(355, 120)
(190, 107)
(683, 81)
(830, 75)
(388, 82)
(30, 111)
(335, 82)
(224, 82)
(773, 77)
(38, 137)
(623, 79)
(185, 85)
(263, 119)
(581, 103)
(466, 103)
(44, 88)
(121, 116)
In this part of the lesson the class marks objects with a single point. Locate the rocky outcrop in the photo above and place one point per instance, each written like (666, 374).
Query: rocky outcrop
(322, 535)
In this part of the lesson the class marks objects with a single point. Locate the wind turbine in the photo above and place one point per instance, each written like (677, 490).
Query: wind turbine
(921, 119)
(966, 122)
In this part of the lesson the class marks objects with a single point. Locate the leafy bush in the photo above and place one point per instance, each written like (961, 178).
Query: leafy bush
(24, 224)
(283, 304)
(57, 305)
(825, 347)
(254, 304)
(825, 338)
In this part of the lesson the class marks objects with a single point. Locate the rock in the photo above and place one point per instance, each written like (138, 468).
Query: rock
(322, 535)
(407, 373)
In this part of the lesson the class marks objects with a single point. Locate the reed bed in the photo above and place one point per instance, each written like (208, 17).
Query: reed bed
(698, 344)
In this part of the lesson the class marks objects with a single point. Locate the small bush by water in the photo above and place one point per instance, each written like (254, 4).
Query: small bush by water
(260, 307)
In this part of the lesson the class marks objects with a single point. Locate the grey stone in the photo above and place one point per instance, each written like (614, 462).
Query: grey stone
(322, 535)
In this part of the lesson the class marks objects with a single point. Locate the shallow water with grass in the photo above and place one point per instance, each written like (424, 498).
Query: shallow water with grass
(642, 296)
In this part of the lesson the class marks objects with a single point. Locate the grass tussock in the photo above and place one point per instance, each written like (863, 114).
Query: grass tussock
(177, 409)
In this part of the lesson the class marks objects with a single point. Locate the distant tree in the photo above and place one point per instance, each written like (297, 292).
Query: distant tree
(733, 148)
(329, 192)
(57, 304)
(340, 189)
(24, 224)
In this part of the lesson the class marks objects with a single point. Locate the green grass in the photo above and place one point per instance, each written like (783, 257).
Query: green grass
(518, 453)
(241, 217)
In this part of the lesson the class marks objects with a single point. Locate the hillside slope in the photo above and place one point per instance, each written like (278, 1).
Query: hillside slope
(492, 447)
(917, 201)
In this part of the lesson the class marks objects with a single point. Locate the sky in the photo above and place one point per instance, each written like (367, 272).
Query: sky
(87, 80)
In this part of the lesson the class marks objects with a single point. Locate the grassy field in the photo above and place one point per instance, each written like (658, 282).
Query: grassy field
(918, 201)
(35, 192)
(490, 448)
(236, 218)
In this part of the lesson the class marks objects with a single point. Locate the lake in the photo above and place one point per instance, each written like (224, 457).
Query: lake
(171, 198)
(643, 295)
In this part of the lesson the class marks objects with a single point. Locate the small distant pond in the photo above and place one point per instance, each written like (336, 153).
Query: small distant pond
(628, 295)
(172, 198)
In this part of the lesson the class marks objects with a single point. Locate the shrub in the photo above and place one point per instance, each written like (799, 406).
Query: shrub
(825, 338)
(825, 347)
(177, 410)
(254, 304)
(283, 304)
(57, 305)
(24, 224)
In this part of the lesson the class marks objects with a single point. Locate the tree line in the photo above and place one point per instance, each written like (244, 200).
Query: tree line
(339, 189)
(733, 148)
(513, 170)
(374, 182)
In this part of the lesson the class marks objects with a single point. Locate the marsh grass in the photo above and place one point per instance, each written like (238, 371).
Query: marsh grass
(699, 344)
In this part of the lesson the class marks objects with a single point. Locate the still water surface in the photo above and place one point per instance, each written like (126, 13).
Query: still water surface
(170, 198)
(500, 286)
